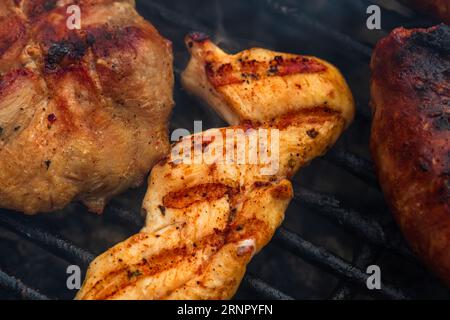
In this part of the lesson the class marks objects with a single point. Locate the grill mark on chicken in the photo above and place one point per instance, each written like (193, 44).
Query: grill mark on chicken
(169, 259)
(129, 275)
(218, 215)
(250, 69)
(224, 75)
(314, 115)
(291, 77)
(280, 66)
(411, 137)
(203, 192)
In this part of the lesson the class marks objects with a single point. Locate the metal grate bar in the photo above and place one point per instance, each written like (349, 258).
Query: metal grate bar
(134, 220)
(45, 239)
(327, 205)
(369, 229)
(362, 259)
(74, 254)
(289, 240)
(18, 287)
(358, 166)
(264, 289)
(331, 208)
(339, 37)
(353, 221)
(327, 261)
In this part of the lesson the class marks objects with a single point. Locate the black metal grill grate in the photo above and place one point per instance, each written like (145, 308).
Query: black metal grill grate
(377, 233)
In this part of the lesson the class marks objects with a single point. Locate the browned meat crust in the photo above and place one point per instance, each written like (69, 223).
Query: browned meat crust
(83, 113)
(411, 137)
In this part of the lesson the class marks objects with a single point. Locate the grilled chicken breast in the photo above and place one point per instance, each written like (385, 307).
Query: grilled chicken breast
(439, 9)
(83, 113)
(206, 216)
(411, 137)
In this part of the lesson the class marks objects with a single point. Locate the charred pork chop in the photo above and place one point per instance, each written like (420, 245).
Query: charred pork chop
(83, 113)
(411, 137)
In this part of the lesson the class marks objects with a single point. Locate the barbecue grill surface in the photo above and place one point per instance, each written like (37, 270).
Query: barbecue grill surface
(337, 225)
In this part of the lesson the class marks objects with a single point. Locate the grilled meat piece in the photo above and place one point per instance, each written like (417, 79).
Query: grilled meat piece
(252, 85)
(411, 137)
(83, 113)
(439, 9)
(207, 218)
